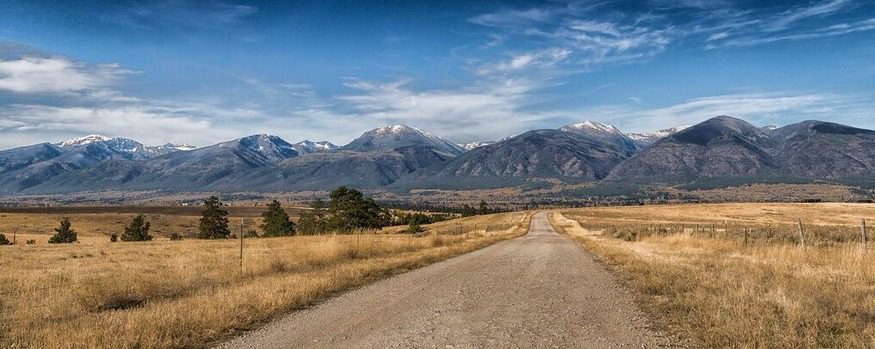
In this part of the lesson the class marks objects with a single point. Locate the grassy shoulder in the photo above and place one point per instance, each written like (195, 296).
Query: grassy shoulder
(192, 293)
(721, 291)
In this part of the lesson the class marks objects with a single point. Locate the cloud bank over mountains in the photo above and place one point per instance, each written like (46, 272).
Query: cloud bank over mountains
(508, 69)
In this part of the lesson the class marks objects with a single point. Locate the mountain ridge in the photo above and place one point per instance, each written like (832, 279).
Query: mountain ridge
(400, 156)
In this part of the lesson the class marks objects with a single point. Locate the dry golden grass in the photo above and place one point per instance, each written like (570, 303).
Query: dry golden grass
(103, 221)
(821, 213)
(720, 292)
(191, 293)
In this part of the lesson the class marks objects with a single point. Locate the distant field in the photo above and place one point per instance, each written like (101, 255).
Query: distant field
(736, 275)
(191, 293)
(101, 221)
(819, 213)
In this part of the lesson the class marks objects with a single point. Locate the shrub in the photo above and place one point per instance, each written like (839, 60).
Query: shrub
(30, 242)
(252, 233)
(4, 240)
(64, 234)
(175, 237)
(113, 237)
(138, 230)
(414, 228)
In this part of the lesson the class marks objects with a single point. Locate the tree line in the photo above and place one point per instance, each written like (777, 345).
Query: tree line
(465, 210)
(347, 210)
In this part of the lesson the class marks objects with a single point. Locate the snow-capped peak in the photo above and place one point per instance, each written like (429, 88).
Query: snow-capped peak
(650, 137)
(307, 146)
(396, 129)
(320, 145)
(592, 125)
(80, 141)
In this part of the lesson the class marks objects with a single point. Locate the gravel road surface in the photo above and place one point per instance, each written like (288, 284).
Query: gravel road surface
(537, 291)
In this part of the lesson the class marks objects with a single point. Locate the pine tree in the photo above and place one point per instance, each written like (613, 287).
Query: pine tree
(313, 221)
(64, 234)
(276, 221)
(350, 210)
(214, 222)
(138, 230)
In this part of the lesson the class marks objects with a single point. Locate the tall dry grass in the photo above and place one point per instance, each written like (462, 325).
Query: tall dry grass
(721, 292)
(192, 293)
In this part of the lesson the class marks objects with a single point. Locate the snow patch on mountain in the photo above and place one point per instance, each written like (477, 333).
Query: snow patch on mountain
(591, 125)
(650, 137)
(308, 147)
(80, 141)
(396, 136)
(177, 147)
(475, 145)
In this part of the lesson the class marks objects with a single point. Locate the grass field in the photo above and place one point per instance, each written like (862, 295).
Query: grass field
(191, 293)
(700, 277)
(103, 221)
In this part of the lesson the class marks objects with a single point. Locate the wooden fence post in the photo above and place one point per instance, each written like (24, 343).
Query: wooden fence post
(801, 233)
(241, 245)
(864, 233)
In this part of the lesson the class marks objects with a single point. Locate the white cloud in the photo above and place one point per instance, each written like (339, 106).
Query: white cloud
(628, 37)
(154, 125)
(791, 16)
(514, 18)
(759, 108)
(833, 30)
(542, 59)
(180, 15)
(487, 111)
(566, 40)
(55, 75)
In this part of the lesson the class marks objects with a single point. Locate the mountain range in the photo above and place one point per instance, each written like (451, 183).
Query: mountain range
(400, 157)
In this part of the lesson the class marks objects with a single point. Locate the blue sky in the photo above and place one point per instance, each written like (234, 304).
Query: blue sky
(200, 72)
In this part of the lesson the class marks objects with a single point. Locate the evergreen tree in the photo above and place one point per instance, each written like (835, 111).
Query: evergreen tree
(276, 221)
(483, 208)
(138, 230)
(313, 221)
(214, 222)
(64, 234)
(468, 211)
(350, 210)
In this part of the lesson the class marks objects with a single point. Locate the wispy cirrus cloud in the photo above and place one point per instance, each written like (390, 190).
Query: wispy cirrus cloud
(564, 37)
(541, 59)
(735, 27)
(832, 30)
(791, 16)
(514, 18)
(180, 15)
(487, 111)
(594, 37)
(759, 108)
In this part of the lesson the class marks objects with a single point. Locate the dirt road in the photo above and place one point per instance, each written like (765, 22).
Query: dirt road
(537, 291)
